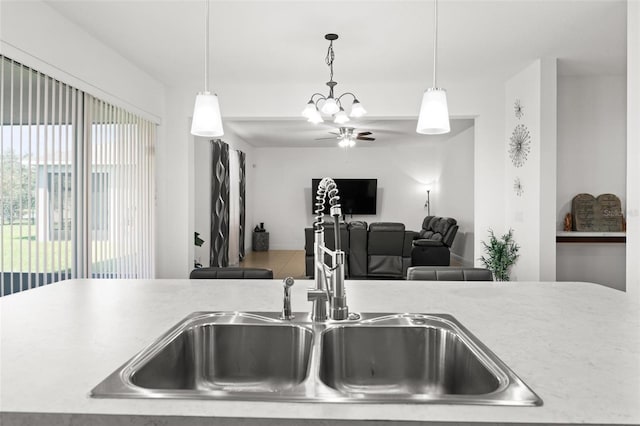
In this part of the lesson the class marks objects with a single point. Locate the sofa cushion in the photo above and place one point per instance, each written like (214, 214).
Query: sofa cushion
(426, 234)
(425, 223)
(386, 226)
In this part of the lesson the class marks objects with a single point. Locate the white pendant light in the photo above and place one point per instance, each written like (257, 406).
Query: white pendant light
(207, 121)
(434, 112)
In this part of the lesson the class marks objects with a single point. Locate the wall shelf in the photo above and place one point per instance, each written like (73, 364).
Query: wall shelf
(590, 237)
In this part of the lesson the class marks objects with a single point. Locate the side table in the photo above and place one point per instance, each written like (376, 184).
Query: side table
(260, 241)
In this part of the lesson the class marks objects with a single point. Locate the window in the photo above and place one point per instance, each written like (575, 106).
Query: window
(77, 184)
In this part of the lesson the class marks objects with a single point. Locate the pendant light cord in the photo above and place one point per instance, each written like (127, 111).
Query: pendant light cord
(206, 50)
(435, 41)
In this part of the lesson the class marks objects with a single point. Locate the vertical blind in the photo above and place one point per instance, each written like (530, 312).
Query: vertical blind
(77, 184)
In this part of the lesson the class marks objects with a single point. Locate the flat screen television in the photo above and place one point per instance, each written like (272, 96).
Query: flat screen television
(357, 196)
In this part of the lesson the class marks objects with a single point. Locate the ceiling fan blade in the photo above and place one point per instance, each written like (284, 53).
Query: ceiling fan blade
(365, 139)
(364, 134)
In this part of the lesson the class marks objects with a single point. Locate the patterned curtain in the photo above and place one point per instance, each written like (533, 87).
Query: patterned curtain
(242, 158)
(219, 204)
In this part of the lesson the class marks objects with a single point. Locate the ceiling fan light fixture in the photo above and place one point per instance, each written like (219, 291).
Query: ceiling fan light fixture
(341, 117)
(357, 110)
(434, 113)
(346, 143)
(207, 121)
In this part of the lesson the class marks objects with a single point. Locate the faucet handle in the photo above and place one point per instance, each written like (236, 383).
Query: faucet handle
(287, 314)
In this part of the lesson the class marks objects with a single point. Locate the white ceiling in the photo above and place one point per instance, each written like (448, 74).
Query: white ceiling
(265, 42)
(269, 40)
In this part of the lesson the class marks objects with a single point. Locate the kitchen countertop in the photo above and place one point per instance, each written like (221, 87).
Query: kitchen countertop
(577, 345)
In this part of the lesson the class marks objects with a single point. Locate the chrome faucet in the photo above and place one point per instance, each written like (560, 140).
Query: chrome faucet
(287, 313)
(329, 279)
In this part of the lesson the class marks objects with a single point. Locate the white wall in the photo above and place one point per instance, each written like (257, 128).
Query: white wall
(176, 159)
(531, 215)
(283, 185)
(633, 148)
(36, 35)
(592, 152)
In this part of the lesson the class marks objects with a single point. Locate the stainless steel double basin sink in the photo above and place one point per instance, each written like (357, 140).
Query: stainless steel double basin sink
(380, 358)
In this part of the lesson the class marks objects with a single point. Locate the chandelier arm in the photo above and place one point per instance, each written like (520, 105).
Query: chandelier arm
(321, 97)
(346, 93)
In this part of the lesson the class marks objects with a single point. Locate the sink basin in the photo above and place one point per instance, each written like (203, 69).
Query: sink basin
(245, 357)
(217, 354)
(386, 360)
(378, 358)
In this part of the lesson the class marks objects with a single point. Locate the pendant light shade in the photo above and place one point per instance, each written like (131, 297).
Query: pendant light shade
(207, 121)
(206, 116)
(434, 113)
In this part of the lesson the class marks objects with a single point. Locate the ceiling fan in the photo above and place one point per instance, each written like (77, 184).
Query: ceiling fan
(347, 136)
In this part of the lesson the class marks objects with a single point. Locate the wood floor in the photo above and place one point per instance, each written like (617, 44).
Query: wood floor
(283, 263)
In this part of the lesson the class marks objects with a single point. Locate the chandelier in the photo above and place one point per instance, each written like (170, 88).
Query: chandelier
(331, 105)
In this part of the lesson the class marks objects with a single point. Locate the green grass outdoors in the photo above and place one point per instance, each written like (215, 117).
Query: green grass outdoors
(46, 256)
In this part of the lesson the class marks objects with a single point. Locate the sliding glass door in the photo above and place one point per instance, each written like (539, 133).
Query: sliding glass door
(77, 184)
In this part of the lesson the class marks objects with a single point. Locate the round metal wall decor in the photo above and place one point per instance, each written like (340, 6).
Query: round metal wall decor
(519, 145)
(517, 109)
(517, 187)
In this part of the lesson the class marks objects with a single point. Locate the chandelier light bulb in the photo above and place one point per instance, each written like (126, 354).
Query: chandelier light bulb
(341, 117)
(357, 110)
(309, 110)
(207, 121)
(315, 118)
(330, 106)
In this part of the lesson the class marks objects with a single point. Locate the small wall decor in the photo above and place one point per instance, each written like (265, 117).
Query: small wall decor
(517, 187)
(519, 145)
(517, 109)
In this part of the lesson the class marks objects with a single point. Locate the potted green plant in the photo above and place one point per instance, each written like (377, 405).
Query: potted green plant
(501, 255)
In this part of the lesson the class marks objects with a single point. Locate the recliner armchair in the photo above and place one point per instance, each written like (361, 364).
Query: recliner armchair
(432, 246)
(388, 250)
